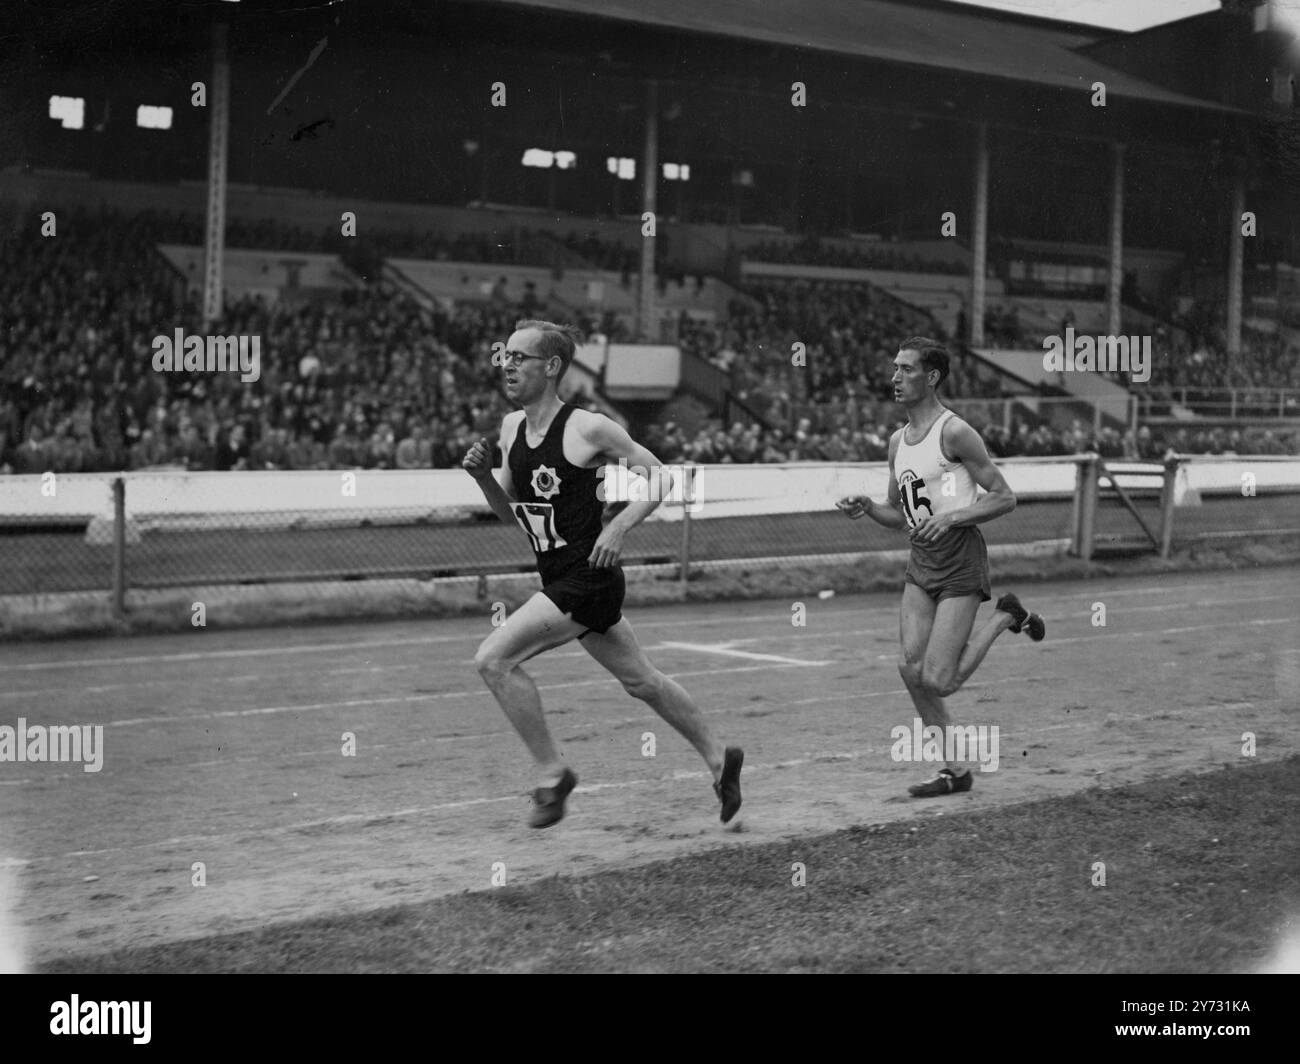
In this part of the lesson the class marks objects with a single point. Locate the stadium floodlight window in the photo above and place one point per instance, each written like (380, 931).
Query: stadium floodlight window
(565, 160)
(539, 157)
(147, 117)
(70, 110)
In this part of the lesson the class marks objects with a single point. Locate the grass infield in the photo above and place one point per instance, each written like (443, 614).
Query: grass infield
(1201, 876)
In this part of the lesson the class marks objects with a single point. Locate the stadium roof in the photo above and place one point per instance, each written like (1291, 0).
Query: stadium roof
(976, 41)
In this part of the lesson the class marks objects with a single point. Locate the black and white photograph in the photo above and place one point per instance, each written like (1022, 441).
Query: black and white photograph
(560, 487)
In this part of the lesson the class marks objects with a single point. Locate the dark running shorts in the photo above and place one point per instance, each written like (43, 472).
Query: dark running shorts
(592, 597)
(955, 567)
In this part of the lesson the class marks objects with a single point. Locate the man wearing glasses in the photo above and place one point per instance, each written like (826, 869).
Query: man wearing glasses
(549, 486)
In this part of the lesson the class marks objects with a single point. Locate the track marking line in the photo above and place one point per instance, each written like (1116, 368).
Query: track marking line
(725, 650)
(583, 726)
(355, 647)
(323, 648)
(427, 697)
(558, 653)
(776, 661)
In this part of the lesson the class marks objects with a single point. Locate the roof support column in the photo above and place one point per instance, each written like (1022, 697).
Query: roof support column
(1113, 306)
(646, 305)
(979, 236)
(214, 245)
(1235, 249)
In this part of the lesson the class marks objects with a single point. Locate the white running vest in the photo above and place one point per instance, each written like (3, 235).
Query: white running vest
(927, 482)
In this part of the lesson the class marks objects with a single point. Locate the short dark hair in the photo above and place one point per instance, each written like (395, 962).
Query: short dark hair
(557, 341)
(933, 354)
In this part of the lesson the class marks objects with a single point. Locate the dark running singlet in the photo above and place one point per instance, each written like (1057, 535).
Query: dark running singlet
(558, 506)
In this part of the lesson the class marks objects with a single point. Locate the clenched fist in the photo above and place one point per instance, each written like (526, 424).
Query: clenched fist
(478, 460)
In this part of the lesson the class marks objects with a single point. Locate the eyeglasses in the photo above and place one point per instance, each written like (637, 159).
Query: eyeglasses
(512, 359)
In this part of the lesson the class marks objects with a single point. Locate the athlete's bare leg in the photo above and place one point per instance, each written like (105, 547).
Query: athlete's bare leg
(537, 625)
(938, 655)
(916, 619)
(952, 655)
(619, 652)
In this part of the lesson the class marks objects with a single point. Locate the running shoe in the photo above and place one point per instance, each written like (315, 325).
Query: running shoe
(548, 802)
(728, 786)
(1031, 624)
(944, 783)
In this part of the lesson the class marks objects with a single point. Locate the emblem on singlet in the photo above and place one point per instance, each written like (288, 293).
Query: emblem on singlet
(546, 482)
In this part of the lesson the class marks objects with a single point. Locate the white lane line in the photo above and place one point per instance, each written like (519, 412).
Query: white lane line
(553, 655)
(1143, 633)
(585, 725)
(363, 819)
(207, 655)
(1188, 605)
(1171, 712)
(725, 650)
(581, 726)
(431, 696)
(356, 670)
(354, 647)
(319, 648)
(776, 662)
(577, 725)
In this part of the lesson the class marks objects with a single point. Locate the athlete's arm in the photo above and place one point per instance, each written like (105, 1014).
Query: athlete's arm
(962, 442)
(478, 464)
(890, 515)
(611, 442)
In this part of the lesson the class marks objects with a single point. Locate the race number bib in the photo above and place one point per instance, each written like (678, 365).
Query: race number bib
(916, 504)
(537, 519)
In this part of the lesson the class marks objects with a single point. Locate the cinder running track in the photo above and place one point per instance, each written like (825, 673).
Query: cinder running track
(226, 747)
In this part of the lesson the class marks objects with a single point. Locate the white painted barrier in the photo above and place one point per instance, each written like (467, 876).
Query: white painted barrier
(444, 494)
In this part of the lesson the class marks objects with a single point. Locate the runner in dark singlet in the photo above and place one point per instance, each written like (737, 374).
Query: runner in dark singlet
(550, 489)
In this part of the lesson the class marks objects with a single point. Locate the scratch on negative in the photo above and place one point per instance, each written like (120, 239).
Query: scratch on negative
(315, 54)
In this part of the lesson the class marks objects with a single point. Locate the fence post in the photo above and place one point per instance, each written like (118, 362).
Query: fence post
(1172, 464)
(688, 496)
(1085, 494)
(119, 548)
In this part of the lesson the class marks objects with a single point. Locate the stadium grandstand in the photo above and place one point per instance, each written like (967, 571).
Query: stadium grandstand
(823, 225)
